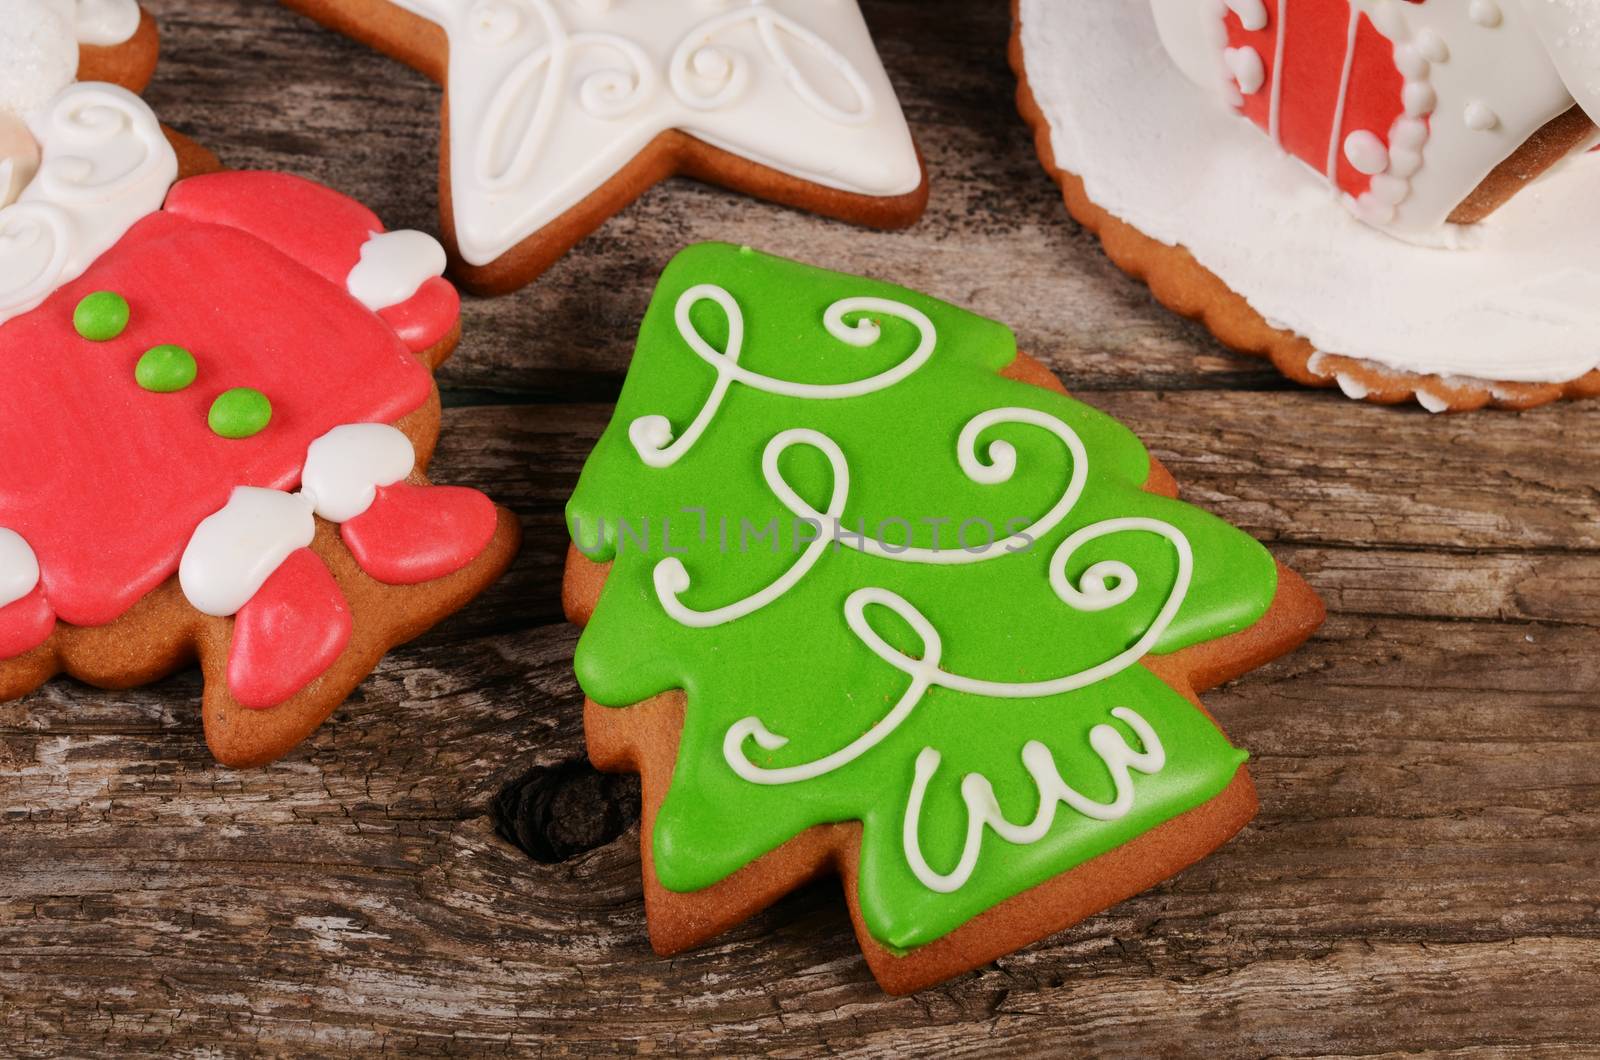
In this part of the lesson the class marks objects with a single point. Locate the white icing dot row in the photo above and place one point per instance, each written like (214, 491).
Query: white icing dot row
(1414, 56)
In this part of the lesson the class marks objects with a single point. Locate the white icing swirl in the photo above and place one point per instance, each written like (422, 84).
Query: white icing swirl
(104, 165)
(653, 437)
(697, 63)
(983, 809)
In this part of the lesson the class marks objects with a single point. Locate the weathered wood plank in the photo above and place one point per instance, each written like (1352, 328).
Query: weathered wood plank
(1429, 849)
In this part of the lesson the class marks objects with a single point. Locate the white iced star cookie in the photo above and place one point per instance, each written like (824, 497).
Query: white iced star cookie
(560, 112)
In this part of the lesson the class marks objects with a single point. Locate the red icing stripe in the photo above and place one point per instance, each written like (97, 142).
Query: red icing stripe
(414, 534)
(25, 624)
(289, 633)
(1311, 70)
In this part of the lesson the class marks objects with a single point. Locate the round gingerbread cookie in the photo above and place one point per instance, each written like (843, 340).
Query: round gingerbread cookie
(558, 114)
(864, 591)
(218, 411)
(1390, 196)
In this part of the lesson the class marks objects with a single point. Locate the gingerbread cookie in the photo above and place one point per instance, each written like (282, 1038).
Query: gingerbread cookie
(219, 407)
(865, 592)
(1307, 178)
(559, 113)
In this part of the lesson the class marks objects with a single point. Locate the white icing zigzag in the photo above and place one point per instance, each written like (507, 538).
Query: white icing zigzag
(549, 99)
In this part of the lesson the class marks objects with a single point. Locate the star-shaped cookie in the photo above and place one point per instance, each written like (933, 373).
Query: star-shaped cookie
(559, 113)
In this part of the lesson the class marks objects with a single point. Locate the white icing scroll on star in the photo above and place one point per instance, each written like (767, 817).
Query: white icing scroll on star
(550, 99)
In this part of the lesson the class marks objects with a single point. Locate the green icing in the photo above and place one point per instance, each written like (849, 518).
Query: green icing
(240, 413)
(797, 666)
(101, 316)
(165, 369)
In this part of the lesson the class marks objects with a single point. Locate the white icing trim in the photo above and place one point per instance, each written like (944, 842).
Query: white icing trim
(105, 165)
(1246, 67)
(549, 99)
(393, 266)
(1441, 53)
(1332, 171)
(1276, 117)
(1518, 307)
(233, 552)
(1252, 13)
(19, 567)
(106, 22)
(983, 809)
(39, 42)
(19, 157)
(345, 467)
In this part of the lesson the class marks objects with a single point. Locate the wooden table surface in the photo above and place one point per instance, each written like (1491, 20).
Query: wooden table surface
(1424, 874)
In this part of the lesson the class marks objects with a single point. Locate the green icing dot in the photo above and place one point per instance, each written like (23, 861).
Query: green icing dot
(101, 316)
(165, 369)
(240, 413)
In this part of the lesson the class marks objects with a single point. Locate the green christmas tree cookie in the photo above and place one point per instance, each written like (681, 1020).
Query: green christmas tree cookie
(900, 588)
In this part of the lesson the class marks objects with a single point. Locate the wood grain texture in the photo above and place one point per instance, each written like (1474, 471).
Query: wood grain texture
(1422, 877)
